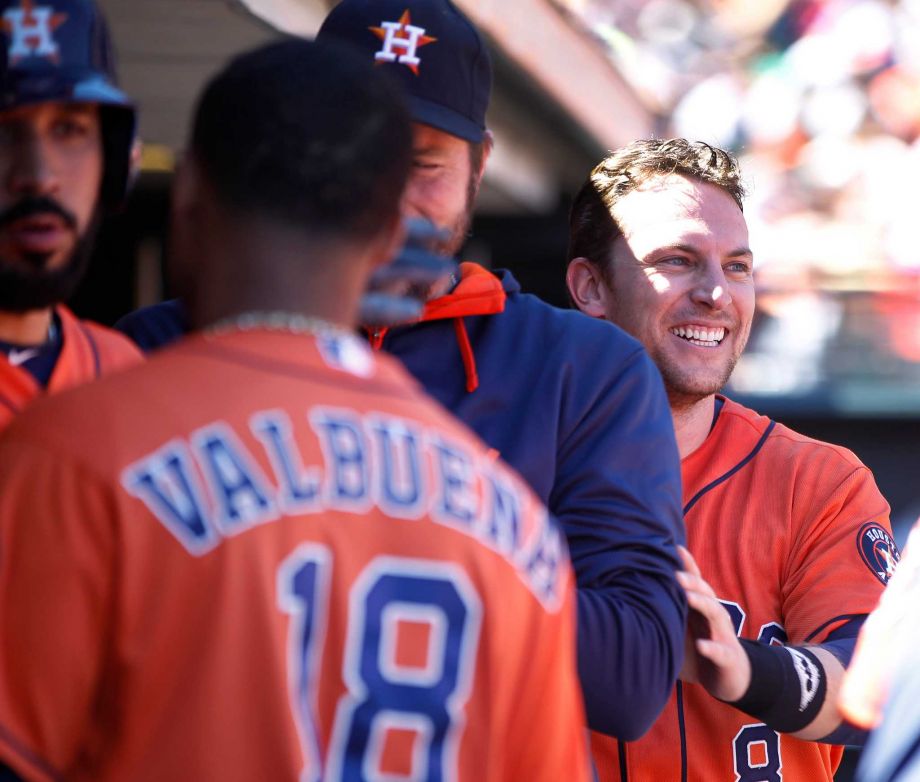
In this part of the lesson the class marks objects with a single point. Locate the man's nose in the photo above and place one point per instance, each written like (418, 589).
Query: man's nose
(412, 201)
(32, 171)
(711, 287)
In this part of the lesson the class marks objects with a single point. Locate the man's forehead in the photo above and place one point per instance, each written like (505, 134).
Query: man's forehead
(34, 111)
(672, 205)
(428, 136)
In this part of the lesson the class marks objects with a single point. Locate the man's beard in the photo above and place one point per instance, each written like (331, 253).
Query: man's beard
(683, 394)
(31, 286)
(460, 230)
(459, 233)
(451, 245)
(685, 389)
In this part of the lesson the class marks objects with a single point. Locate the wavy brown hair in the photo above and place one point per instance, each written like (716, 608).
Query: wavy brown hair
(592, 226)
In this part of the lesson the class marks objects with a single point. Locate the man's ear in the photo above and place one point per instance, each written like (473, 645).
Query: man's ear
(186, 227)
(186, 186)
(587, 288)
(135, 162)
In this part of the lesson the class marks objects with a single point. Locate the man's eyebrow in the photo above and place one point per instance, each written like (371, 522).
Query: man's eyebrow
(78, 106)
(690, 249)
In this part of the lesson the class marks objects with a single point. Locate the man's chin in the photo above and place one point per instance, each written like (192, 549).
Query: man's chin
(459, 233)
(38, 284)
(684, 391)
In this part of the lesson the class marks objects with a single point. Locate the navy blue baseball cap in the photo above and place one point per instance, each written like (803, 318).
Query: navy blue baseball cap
(432, 49)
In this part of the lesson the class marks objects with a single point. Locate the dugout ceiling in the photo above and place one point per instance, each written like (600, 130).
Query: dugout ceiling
(558, 102)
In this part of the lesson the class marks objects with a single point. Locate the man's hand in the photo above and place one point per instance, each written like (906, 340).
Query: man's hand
(713, 655)
(397, 292)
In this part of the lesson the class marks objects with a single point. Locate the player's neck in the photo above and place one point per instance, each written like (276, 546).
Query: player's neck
(692, 423)
(261, 267)
(25, 328)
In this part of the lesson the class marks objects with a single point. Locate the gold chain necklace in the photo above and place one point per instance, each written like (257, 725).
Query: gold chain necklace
(276, 320)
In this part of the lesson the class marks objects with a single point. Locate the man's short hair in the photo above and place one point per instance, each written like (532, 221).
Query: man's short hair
(307, 134)
(592, 225)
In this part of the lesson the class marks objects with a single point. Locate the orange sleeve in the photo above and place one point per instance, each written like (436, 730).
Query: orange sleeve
(55, 600)
(534, 697)
(843, 552)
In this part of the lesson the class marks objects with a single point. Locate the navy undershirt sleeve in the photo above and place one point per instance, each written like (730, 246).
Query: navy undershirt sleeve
(841, 643)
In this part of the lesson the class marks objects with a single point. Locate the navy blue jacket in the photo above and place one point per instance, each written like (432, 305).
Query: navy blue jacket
(577, 407)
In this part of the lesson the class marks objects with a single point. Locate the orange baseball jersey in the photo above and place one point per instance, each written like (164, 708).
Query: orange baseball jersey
(794, 538)
(271, 557)
(88, 351)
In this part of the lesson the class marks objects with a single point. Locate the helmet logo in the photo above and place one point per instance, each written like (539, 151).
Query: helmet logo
(30, 29)
(404, 36)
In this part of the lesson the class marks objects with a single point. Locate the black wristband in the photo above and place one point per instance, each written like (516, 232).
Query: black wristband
(787, 689)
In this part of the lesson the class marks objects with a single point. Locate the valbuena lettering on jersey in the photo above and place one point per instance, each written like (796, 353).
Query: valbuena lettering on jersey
(210, 486)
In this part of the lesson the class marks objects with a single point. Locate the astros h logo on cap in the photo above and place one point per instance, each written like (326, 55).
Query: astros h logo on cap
(403, 36)
(30, 29)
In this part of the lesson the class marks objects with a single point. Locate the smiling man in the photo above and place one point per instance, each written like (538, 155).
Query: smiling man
(65, 143)
(792, 536)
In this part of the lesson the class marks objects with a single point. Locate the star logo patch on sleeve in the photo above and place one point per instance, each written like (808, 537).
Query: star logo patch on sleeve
(878, 550)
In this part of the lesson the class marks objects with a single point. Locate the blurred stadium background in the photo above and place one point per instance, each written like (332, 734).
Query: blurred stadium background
(819, 98)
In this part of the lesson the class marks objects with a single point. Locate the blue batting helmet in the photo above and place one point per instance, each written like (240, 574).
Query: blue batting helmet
(60, 50)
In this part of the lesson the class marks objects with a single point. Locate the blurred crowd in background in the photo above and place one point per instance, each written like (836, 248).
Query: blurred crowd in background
(820, 99)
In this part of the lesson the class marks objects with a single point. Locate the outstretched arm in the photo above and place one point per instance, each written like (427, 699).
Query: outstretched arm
(792, 689)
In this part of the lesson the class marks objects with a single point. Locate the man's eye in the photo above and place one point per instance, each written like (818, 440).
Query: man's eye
(674, 260)
(738, 268)
(70, 128)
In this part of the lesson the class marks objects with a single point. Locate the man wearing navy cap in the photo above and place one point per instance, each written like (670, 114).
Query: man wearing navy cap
(66, 132)
(574, 405)
(447, 76)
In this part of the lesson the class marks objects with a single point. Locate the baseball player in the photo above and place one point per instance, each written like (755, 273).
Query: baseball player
(274, 558)
(575, 406)
(66, 133)
(791, 535)
(881, 687)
